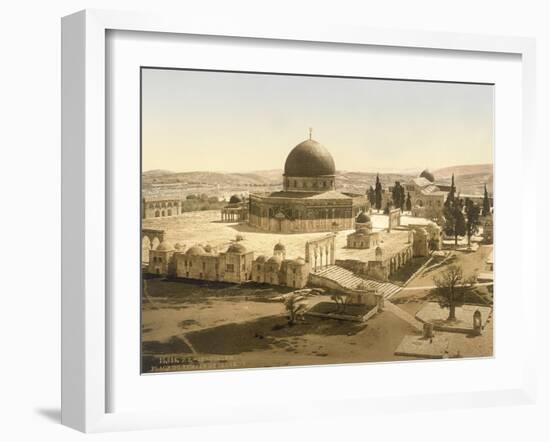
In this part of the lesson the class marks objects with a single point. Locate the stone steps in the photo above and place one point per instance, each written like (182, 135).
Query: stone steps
(349, 280)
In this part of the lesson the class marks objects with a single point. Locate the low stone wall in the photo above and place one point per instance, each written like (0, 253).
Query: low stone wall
(353, 265)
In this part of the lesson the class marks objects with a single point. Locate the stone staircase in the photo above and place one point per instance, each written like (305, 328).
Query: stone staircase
(349, 280)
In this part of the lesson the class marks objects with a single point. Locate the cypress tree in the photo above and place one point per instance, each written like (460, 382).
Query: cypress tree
(409, 203)
(370, 195)
(378, 194)
(451, 195)
(486, 203)
(472, 219)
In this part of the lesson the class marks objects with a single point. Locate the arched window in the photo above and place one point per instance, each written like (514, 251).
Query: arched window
(157, 213)
(163, 213)
(169, 212)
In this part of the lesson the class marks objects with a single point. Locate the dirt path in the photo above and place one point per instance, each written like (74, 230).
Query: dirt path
(402, 314)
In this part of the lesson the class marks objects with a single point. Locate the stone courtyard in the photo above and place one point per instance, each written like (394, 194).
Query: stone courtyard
(434, 314)
(205, 227)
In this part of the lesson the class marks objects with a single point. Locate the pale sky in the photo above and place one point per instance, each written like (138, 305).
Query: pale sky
(236, 122)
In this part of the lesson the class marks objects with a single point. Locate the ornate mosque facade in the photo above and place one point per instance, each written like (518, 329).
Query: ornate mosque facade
(309, 201)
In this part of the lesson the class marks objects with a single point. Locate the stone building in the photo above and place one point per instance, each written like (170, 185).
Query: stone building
(363, 220)
(393, 251)
(161, 260)
(363, 237)
(157, 208)
(421, 242)
(309, 201)
(235, 210)
(205, 263)
(427, 197)
(277, 270)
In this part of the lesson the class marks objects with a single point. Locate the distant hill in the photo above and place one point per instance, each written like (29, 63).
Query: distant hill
(469, 169)
(210, 178)
(157, 172)
(469, 179)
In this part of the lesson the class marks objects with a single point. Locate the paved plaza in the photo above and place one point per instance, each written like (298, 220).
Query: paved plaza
(433, 313)
(205, 228)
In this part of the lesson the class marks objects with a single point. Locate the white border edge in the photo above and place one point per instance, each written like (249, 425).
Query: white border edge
(84, 197)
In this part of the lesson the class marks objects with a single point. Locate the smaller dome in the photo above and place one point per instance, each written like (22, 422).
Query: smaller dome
(235, 199)
(165, 246)
(261, 258)
(275, 259)
(208, 248)
(195, 250)
(362, 218)
(299, 261)
(279, 247)
(428, 175)
(236, 248)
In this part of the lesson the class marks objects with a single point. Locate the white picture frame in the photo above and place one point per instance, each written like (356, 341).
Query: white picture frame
(85, 214)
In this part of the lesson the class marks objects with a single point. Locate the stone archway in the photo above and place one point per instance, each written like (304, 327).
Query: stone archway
(150, 240)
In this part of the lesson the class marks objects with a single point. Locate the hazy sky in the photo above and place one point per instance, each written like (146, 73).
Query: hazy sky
(216, 121)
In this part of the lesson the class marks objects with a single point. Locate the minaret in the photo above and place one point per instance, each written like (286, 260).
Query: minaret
(310, 132)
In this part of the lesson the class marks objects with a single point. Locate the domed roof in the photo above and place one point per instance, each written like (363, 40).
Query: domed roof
(165, 246)
(235, 199)
(236, 248)
(309, 159)
(261, 258)
(362, 218)
(363, 231)
(299, 261)
(276, 259)
(428, 175)
(195, 250)
(279, 247)
(208, 248)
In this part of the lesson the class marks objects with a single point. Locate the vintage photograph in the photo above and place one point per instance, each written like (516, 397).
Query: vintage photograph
(298, 220)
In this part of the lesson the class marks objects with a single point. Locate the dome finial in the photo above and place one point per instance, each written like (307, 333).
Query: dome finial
(310, 132)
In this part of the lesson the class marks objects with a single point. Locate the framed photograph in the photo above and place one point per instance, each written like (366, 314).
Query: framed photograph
(257, 213)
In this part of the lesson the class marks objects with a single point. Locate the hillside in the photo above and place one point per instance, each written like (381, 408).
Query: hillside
(469, 179)
(470, 169)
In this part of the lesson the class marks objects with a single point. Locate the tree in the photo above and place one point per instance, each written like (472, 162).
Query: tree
(378, 194)
(295, 306)
(486, 202)
(451, 195)
(341, 302)
(371, 196)
(472, 219)
(455, 224)
(398, 195)
(408, 204)
(402, 199)
(451, 287)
